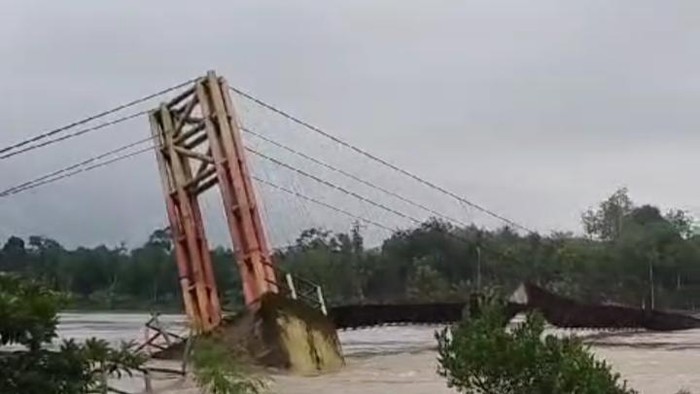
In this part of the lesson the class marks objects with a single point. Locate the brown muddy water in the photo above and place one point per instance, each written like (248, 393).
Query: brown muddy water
(402, 359)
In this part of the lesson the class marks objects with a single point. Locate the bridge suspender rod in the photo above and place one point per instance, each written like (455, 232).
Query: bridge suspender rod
(200, 146)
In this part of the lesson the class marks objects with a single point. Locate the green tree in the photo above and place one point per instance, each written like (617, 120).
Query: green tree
(605, 222)
(426, 283)
(14, 254)
(28, 318)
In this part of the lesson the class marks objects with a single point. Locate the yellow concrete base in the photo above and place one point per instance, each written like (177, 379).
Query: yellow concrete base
(283, 333)
(297, 337)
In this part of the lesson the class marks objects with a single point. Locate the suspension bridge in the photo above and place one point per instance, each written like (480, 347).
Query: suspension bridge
(184, 128)
(271, 182)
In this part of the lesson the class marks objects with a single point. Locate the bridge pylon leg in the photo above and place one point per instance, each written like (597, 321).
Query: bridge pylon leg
(239, 198)
(191, 249)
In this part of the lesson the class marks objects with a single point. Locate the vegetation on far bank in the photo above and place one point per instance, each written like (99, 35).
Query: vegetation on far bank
(622, 247)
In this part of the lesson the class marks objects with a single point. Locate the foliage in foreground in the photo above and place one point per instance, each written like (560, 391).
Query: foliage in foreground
(28, 320)
(481, 356)
(218, 370)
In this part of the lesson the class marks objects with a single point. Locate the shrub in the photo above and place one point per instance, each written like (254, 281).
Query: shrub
(219, 370)
(479, 355)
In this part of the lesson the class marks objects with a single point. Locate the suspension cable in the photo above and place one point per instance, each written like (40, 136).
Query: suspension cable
(351, 176)
(377, 159)
(118, 108)
(65, 173)
(457, 237)
(74, 134)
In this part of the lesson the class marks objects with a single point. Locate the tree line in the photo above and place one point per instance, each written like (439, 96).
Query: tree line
(627, 252)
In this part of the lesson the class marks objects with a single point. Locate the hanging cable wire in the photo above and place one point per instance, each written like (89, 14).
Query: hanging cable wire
(378, 159)
(308, 215)
(74, 134)
(271, 232)
(61, 129)
(352, 176)
(68, 174)
(321, 203)
(332, 185)
(381, 206)
(74, 166)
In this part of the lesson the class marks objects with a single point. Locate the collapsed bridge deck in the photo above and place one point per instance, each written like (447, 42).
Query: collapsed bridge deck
(557, 310)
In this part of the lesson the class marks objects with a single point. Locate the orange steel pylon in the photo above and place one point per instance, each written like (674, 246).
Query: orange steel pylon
(200, 146)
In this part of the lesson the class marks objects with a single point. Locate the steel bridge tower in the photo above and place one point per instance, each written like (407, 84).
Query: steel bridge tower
(199, 146)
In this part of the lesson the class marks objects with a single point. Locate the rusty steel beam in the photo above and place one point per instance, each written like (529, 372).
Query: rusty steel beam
(191, 250)
(243, 217)
(265, 264)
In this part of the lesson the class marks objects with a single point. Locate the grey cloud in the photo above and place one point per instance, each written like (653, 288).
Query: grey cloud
(535, 109)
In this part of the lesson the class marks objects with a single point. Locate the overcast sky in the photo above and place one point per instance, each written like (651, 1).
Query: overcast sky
(535, 109)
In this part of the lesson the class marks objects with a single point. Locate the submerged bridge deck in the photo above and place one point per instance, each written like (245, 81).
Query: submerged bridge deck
(557, 310)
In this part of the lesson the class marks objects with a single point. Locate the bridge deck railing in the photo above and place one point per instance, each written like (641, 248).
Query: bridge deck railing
(299, 288)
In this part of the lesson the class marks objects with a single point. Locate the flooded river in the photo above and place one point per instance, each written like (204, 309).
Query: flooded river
(402, 359)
